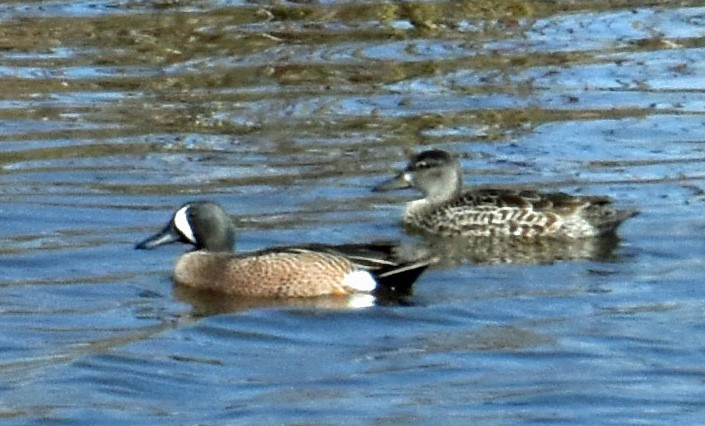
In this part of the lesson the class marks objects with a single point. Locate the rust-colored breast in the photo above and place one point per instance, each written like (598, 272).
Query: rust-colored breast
(276, 274)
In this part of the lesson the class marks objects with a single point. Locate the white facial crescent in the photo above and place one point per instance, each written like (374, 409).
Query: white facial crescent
(182, 224)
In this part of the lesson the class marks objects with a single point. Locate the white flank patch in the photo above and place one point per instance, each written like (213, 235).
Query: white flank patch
(360, 281)
(360, 301)
(182, 224)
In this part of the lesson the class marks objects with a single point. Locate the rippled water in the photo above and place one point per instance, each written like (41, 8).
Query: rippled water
(113, 113)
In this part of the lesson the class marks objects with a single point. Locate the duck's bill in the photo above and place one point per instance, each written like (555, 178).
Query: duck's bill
(167, 236)
(400, 181)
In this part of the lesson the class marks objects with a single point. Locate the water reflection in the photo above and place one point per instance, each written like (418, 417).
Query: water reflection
(205, 303)
(508, 250)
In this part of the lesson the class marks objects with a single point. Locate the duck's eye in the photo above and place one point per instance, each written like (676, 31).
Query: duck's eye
(422, 165)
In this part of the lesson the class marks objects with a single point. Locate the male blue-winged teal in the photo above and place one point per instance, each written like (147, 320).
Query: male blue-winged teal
(447, 211)
(303, 271)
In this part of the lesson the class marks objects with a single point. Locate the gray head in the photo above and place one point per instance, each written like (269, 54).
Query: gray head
(435, 173)
(203, 224)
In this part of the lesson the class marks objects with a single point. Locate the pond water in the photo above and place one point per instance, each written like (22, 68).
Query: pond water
(114, 113)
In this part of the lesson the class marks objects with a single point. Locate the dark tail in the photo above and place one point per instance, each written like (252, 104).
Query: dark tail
(399, 279)
(395, 274)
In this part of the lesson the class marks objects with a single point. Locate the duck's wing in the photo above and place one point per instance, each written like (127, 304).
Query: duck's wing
(394, 275)
(525, 199)
(542, 208)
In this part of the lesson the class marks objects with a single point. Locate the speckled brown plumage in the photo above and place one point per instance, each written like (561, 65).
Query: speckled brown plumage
(273, 274)
(492, 212)
(446, 211)
(304, 271)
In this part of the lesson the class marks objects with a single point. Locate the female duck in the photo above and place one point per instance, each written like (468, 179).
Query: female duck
(447, 211)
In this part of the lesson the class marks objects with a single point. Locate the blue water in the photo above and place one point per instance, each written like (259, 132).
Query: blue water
(112, 115)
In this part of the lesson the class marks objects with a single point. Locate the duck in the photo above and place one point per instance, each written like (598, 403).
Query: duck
(278, 272)
(446, 210)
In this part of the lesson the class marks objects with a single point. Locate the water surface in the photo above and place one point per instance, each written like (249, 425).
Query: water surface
(114, 113)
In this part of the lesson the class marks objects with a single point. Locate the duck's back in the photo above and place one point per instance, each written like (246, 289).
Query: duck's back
(503, 212)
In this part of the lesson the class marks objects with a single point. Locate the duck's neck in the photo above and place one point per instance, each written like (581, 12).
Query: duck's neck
(444, 194)
(434, 198)
(417, 208)
(218, 243)
(445, 185)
